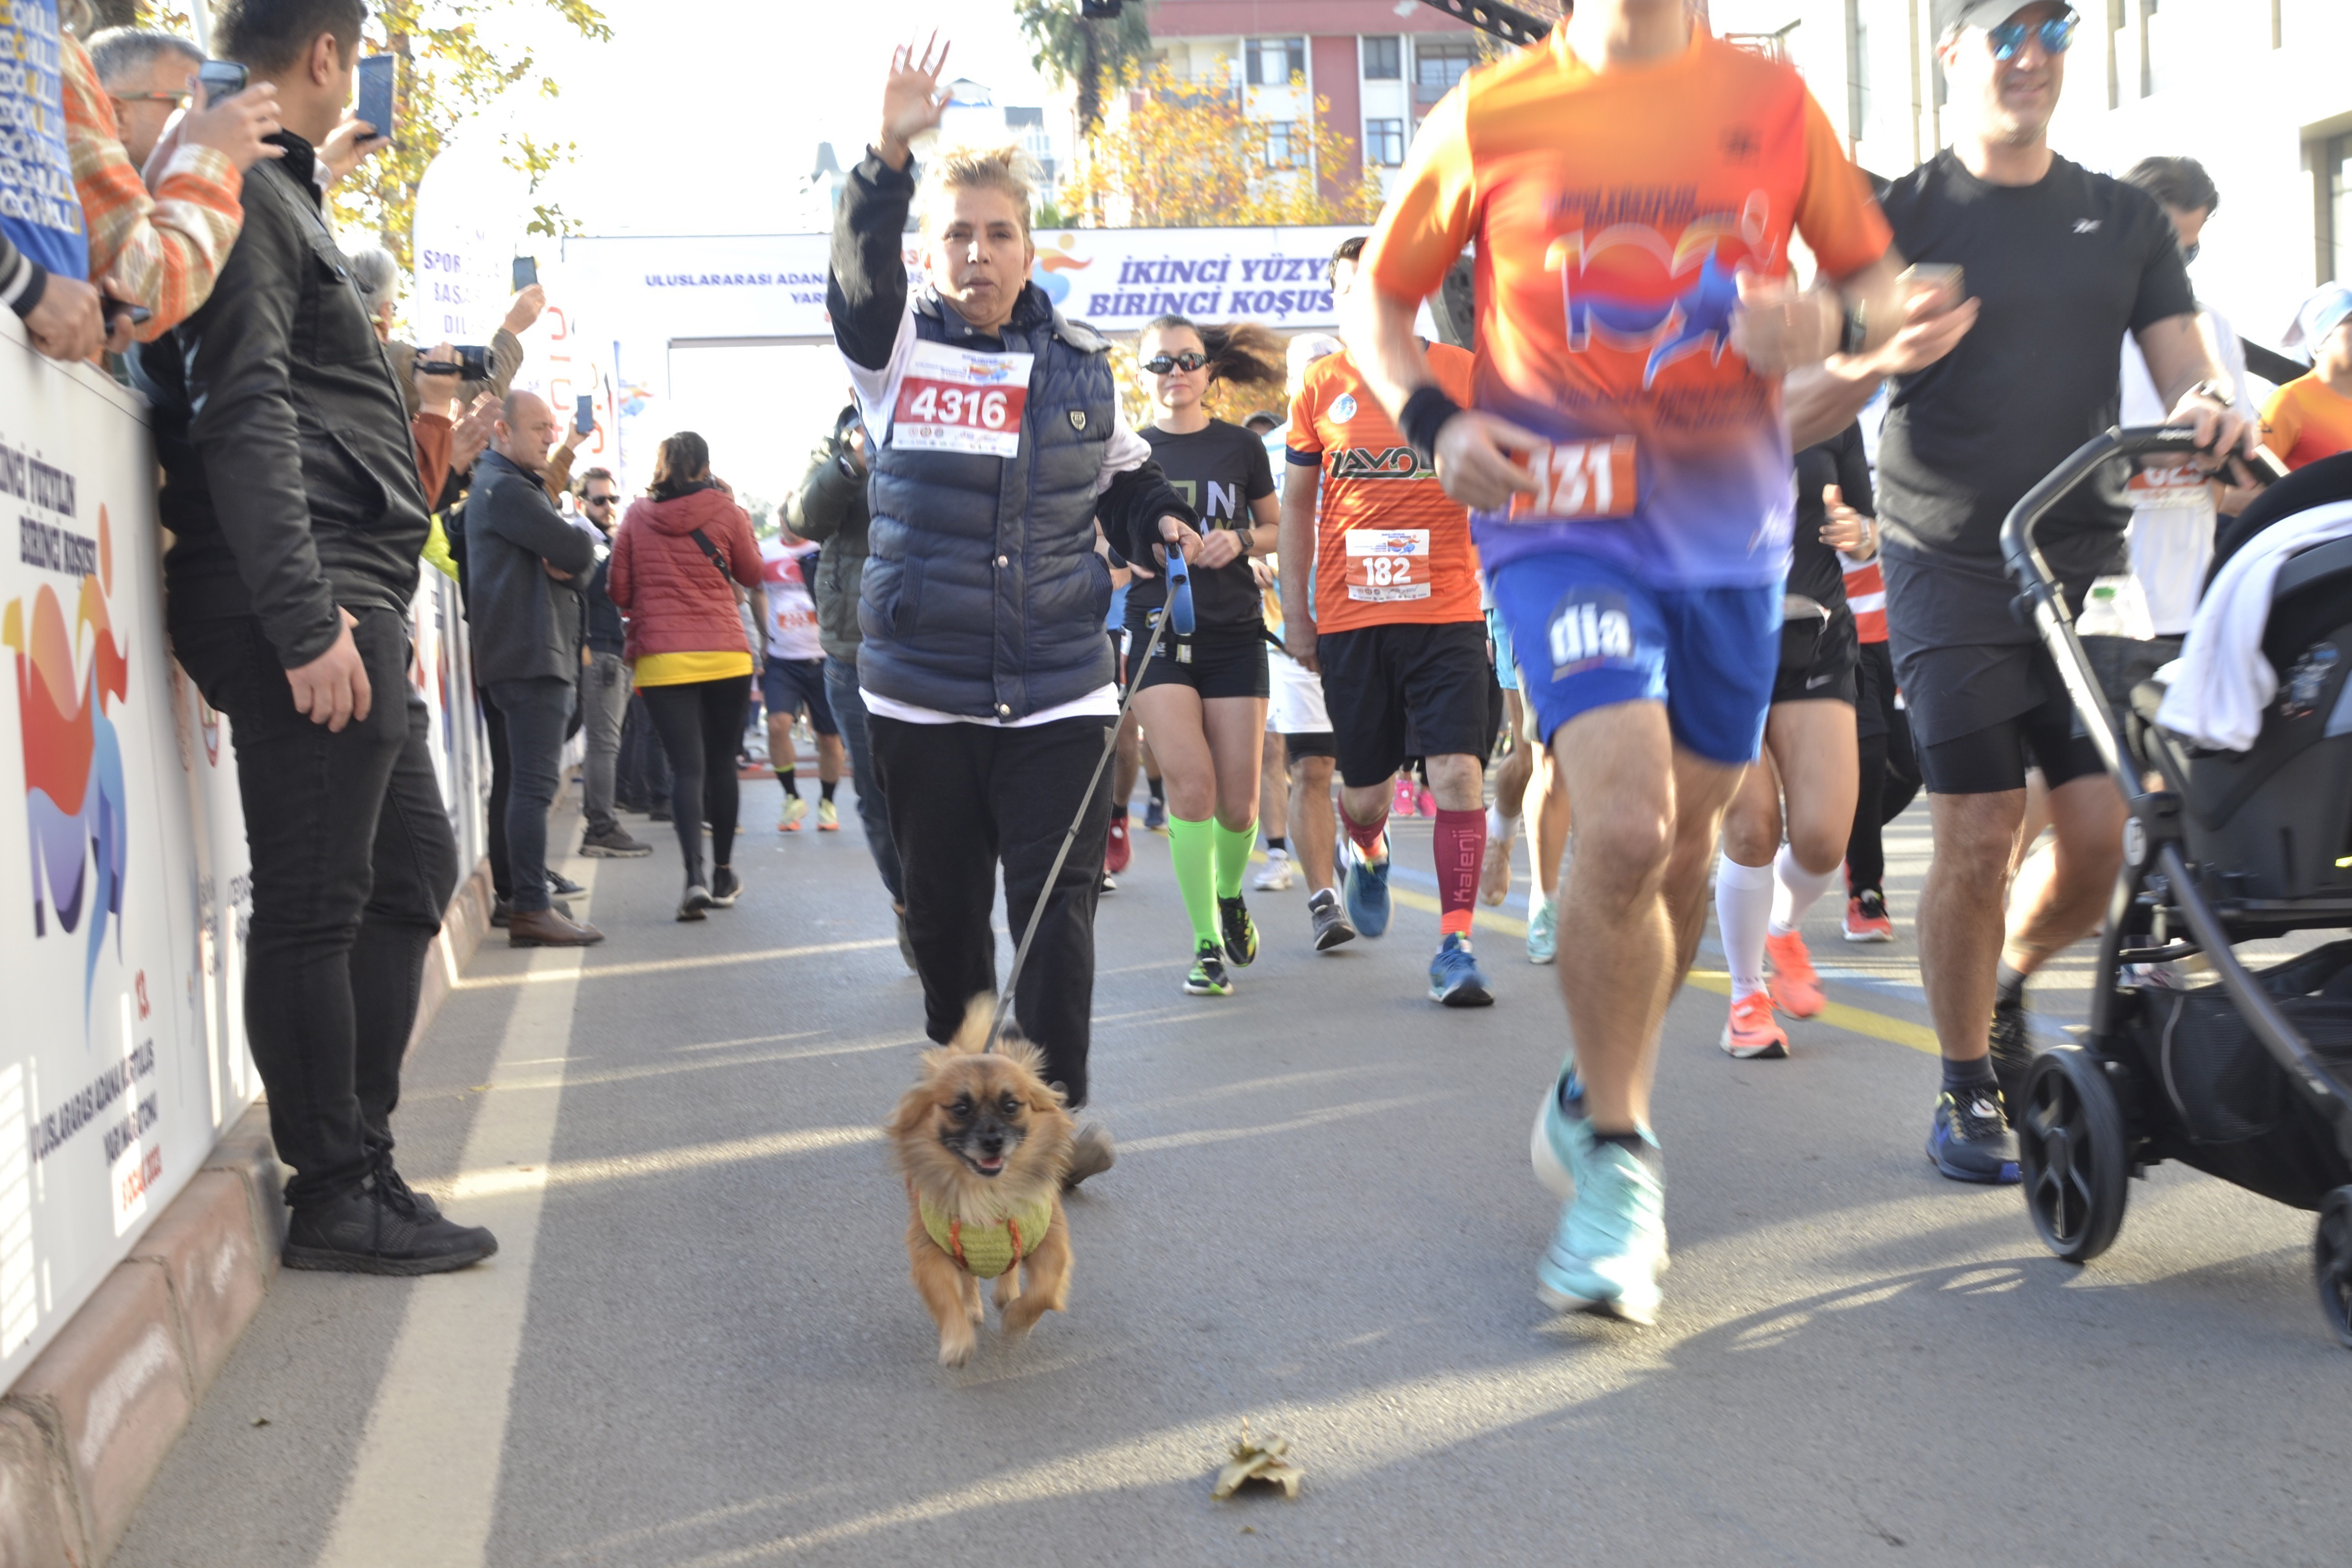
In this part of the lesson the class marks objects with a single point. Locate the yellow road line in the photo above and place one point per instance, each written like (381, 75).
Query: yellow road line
(1853, 1020)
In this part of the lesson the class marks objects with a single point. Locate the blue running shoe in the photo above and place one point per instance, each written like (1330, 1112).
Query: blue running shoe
(1367, 890)
(1610, 1247)
(1970, 1141)
(1543, 933)
(1551, 1149)
(1455, 977)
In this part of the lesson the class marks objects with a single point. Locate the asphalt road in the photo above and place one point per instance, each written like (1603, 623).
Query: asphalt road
(700, 1346)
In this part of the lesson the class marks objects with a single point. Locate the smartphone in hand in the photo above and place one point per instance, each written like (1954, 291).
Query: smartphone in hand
(220, 80)
(584, 417)
(374, 106)
(526, 272)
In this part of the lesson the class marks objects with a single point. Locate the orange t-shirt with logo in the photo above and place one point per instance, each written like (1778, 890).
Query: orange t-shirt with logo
(2306, 420)
(1614, 213)
(1391, 548)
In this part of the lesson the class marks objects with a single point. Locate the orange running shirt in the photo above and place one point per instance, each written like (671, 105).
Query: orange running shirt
(1390, 547)
(2306, 420)
(1613, 212)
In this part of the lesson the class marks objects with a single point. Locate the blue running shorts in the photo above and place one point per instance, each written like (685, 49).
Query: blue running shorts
(1507, 670)
(1586, 635)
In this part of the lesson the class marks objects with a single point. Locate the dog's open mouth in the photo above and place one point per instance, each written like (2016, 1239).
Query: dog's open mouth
(986, 1165)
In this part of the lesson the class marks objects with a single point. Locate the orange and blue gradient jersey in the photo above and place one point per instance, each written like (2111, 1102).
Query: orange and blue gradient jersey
(1613, 212)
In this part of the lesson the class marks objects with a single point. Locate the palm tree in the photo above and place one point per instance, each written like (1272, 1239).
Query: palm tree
(1074, 48)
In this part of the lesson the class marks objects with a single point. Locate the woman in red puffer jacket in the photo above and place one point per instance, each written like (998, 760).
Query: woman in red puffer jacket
(676, 561)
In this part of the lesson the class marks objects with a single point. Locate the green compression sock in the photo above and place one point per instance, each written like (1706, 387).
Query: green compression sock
(1193, 846)
(1234, 847)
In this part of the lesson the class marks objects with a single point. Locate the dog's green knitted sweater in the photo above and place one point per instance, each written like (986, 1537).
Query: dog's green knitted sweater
(987, 1251)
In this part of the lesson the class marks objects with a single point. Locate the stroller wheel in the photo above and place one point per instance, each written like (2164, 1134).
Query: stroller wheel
(2331, 1262)
(2070, 1154)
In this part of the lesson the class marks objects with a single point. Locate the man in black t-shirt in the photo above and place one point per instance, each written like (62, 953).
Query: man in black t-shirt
(2062, 262)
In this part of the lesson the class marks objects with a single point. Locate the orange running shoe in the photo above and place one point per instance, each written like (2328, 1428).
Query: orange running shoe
(1751, 1033)
(1865, 918)
(1795, 989)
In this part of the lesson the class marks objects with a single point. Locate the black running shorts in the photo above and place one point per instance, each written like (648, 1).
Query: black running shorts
(1219, 662)
(1817, 659)
(1995, 758)
(1400, 690)
(1317, 744)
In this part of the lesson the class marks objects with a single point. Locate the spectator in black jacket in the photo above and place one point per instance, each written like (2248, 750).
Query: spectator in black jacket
(830, 510)
(289, 484)
(524, 567)
(604, 683)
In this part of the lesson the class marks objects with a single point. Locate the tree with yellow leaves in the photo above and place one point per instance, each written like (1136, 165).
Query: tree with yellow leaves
(1182, 154)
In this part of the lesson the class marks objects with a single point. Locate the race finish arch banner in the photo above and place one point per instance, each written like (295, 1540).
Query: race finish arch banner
(124, 894)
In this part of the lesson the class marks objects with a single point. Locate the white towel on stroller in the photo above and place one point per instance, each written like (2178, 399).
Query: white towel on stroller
(2221, 682)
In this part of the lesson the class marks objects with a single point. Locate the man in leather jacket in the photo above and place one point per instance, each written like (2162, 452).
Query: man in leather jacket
(290, 483)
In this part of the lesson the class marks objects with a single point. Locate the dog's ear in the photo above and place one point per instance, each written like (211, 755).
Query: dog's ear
(913, 1107)
(1048, 1099)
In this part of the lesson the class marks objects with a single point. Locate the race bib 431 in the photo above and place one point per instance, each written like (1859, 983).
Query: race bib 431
(960, 400)
(1579, 482)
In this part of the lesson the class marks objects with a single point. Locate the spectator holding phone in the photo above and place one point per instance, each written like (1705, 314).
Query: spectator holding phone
(291, 489)
(160, 253)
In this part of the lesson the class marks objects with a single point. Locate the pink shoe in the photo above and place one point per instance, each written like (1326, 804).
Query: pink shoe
(1425, 804)
(1751, 1033)
(1404, 803)
(1796, 990)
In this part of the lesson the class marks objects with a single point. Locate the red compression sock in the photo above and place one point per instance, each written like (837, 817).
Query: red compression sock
(1459, 842)
(1366, 837)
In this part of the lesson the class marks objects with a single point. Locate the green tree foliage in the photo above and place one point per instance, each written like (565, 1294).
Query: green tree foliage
(1092, 54)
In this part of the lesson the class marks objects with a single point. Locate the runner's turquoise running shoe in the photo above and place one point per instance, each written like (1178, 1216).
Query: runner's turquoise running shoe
(1548, 1150)
(1543, 933)
(1609, 1245)
(1455, 977)
(1367, 890)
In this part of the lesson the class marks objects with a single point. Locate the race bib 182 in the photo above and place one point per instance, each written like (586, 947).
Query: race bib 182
(961, 400)
(1579, 481)
(1386, 564)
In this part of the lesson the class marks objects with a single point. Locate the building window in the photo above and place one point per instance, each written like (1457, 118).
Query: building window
(1437, 65)
(1275, 62)
(1384, 143)
(1384, 59)
(1282, 143)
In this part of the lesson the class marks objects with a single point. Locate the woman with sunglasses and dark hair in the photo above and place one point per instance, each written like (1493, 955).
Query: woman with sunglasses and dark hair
(1202, 698)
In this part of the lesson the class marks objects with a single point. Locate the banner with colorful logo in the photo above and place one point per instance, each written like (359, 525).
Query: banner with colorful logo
(125, 900)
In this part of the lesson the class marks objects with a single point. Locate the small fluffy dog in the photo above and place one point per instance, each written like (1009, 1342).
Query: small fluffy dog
(983, 1141)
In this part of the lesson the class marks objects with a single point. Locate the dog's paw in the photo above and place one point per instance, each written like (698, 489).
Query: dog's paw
(955, 1350)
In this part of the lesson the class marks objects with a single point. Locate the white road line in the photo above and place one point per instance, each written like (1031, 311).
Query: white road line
(425, 1485)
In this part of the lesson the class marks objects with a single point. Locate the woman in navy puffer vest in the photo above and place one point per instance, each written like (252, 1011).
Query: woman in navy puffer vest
(996, 448)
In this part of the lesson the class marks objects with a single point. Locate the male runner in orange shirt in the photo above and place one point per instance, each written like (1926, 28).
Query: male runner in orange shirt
(1630, 185)
(1390, 615)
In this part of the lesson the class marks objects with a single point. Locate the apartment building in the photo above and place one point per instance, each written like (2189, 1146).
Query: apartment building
(1379, 65)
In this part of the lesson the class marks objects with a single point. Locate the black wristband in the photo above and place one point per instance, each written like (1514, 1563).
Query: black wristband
(36, 285)
(1857, 328)
(1423, 415)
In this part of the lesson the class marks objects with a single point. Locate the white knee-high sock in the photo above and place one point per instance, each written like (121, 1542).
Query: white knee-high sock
(1743, 905)
(1794, 888)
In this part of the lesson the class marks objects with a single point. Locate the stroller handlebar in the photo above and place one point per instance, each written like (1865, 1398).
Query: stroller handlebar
(2045, 600)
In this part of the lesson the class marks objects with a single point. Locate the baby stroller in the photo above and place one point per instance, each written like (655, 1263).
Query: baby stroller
(2248, 1078)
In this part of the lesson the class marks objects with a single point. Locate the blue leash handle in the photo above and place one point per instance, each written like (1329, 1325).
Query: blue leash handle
(1180, 594)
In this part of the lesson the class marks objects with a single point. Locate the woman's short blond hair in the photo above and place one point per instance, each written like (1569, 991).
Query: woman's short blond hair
(1005, 169)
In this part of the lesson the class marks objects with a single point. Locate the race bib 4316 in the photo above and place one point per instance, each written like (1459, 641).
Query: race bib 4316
(961, 400)
(1579, 481)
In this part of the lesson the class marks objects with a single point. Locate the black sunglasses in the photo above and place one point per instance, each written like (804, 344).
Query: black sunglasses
(2007, 38)
(1160, 364)
(598, 501)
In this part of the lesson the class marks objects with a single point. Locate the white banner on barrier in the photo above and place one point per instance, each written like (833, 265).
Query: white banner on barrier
(125, 899)
(122, 897)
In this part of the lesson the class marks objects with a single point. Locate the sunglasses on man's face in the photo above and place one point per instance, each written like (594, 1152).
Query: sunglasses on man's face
(2057, 35)
(1160, 364)
(597, 501)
